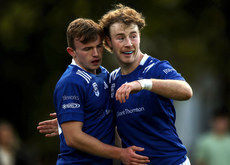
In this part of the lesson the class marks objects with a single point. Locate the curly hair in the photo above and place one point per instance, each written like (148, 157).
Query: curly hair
(85, 30)
(122, 14)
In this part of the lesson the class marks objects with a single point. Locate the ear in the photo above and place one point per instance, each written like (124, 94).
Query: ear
(108, 41)
(71, 51)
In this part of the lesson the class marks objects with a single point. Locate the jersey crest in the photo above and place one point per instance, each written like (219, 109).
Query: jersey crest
(95, 89)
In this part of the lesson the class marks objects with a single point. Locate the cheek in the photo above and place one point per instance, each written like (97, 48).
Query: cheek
(100, 51)
(136, 42)
(116, 46)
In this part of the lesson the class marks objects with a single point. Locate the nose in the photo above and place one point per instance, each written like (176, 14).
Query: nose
(128, 42)
(95, 52)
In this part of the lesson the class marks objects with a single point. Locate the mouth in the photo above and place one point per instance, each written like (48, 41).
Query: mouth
(128, 52)
(95, 62)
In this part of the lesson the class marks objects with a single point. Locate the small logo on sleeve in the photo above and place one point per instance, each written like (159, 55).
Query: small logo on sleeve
(70, 106)
(166, 71)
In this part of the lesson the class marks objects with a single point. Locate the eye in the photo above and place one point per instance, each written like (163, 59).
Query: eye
(120, 38)
(87, 49)
(134, 36)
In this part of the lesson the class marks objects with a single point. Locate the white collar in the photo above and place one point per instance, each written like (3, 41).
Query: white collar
(145, 57)
(74, 63)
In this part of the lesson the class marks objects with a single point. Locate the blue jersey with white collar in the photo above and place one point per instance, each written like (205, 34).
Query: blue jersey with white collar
(82, 96)
(146, 119)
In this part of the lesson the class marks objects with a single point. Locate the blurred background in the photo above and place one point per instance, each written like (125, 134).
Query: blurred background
(193, 35)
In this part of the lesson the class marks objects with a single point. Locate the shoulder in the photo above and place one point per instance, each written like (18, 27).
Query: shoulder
(160, 69)
(82, 76)
(151, 63)
(114, 74)
(74, 77)
(104, 70)
(148, 63)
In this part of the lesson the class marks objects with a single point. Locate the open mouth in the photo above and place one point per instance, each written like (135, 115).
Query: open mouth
(95, 62)
(129, 52)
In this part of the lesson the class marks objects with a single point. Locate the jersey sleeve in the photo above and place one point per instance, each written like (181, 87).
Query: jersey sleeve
(165, 71)
(69, 102)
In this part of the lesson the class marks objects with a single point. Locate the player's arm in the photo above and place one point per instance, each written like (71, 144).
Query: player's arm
(173, 89)
(78, 139)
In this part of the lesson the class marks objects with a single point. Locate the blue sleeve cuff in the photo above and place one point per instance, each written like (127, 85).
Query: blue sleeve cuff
(70, 116)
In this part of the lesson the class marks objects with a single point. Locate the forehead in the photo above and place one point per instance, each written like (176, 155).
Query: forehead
(119, 28)
(79, 44)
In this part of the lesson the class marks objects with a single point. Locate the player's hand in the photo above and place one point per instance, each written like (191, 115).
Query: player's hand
(129, 157)
(49, 127)
(122, 93)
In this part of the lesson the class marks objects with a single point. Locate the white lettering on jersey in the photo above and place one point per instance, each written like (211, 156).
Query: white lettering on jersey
(74, 97)
(112, 90)
(130, 111)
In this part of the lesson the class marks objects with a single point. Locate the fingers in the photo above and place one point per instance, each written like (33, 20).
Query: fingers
(139, 159)
(54, 115)
(122, 93)
(46, 122)
(49, 122)
(49, 131)
(48, 127)
(51, 134)
(135, 148)
(134, 158)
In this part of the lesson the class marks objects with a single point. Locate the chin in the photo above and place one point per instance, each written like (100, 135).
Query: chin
(127, 61)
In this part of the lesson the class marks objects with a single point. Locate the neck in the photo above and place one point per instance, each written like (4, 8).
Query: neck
(75, 62)
(128, 68)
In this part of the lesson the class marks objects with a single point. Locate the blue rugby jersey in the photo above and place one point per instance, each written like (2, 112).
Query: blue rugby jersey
(147, 119)
(82, 96)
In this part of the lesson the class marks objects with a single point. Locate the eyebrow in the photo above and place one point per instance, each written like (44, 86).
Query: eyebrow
(124, 33)
(87, 47)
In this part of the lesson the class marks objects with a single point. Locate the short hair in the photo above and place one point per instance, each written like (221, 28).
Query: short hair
(122, 14)
(86, 30)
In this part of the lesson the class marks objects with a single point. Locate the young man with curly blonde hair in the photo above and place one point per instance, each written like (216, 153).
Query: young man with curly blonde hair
(142, 91)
